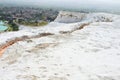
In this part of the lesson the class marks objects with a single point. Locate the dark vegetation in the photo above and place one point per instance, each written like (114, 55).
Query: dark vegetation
(12, 26)
(26, 16)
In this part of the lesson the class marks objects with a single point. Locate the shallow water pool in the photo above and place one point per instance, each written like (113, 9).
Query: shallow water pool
(3, 28)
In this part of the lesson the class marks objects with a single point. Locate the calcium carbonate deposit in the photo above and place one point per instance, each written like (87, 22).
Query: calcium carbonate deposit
(76, 46)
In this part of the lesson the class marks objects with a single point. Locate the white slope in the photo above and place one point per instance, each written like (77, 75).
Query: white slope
(72, 17)
(91, 53)
(56, 27)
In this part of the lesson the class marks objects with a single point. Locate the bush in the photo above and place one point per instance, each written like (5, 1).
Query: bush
(12, 26)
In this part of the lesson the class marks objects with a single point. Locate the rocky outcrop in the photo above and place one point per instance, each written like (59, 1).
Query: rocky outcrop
(72, 17)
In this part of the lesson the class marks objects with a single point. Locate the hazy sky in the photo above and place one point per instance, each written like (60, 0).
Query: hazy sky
(111, 4)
